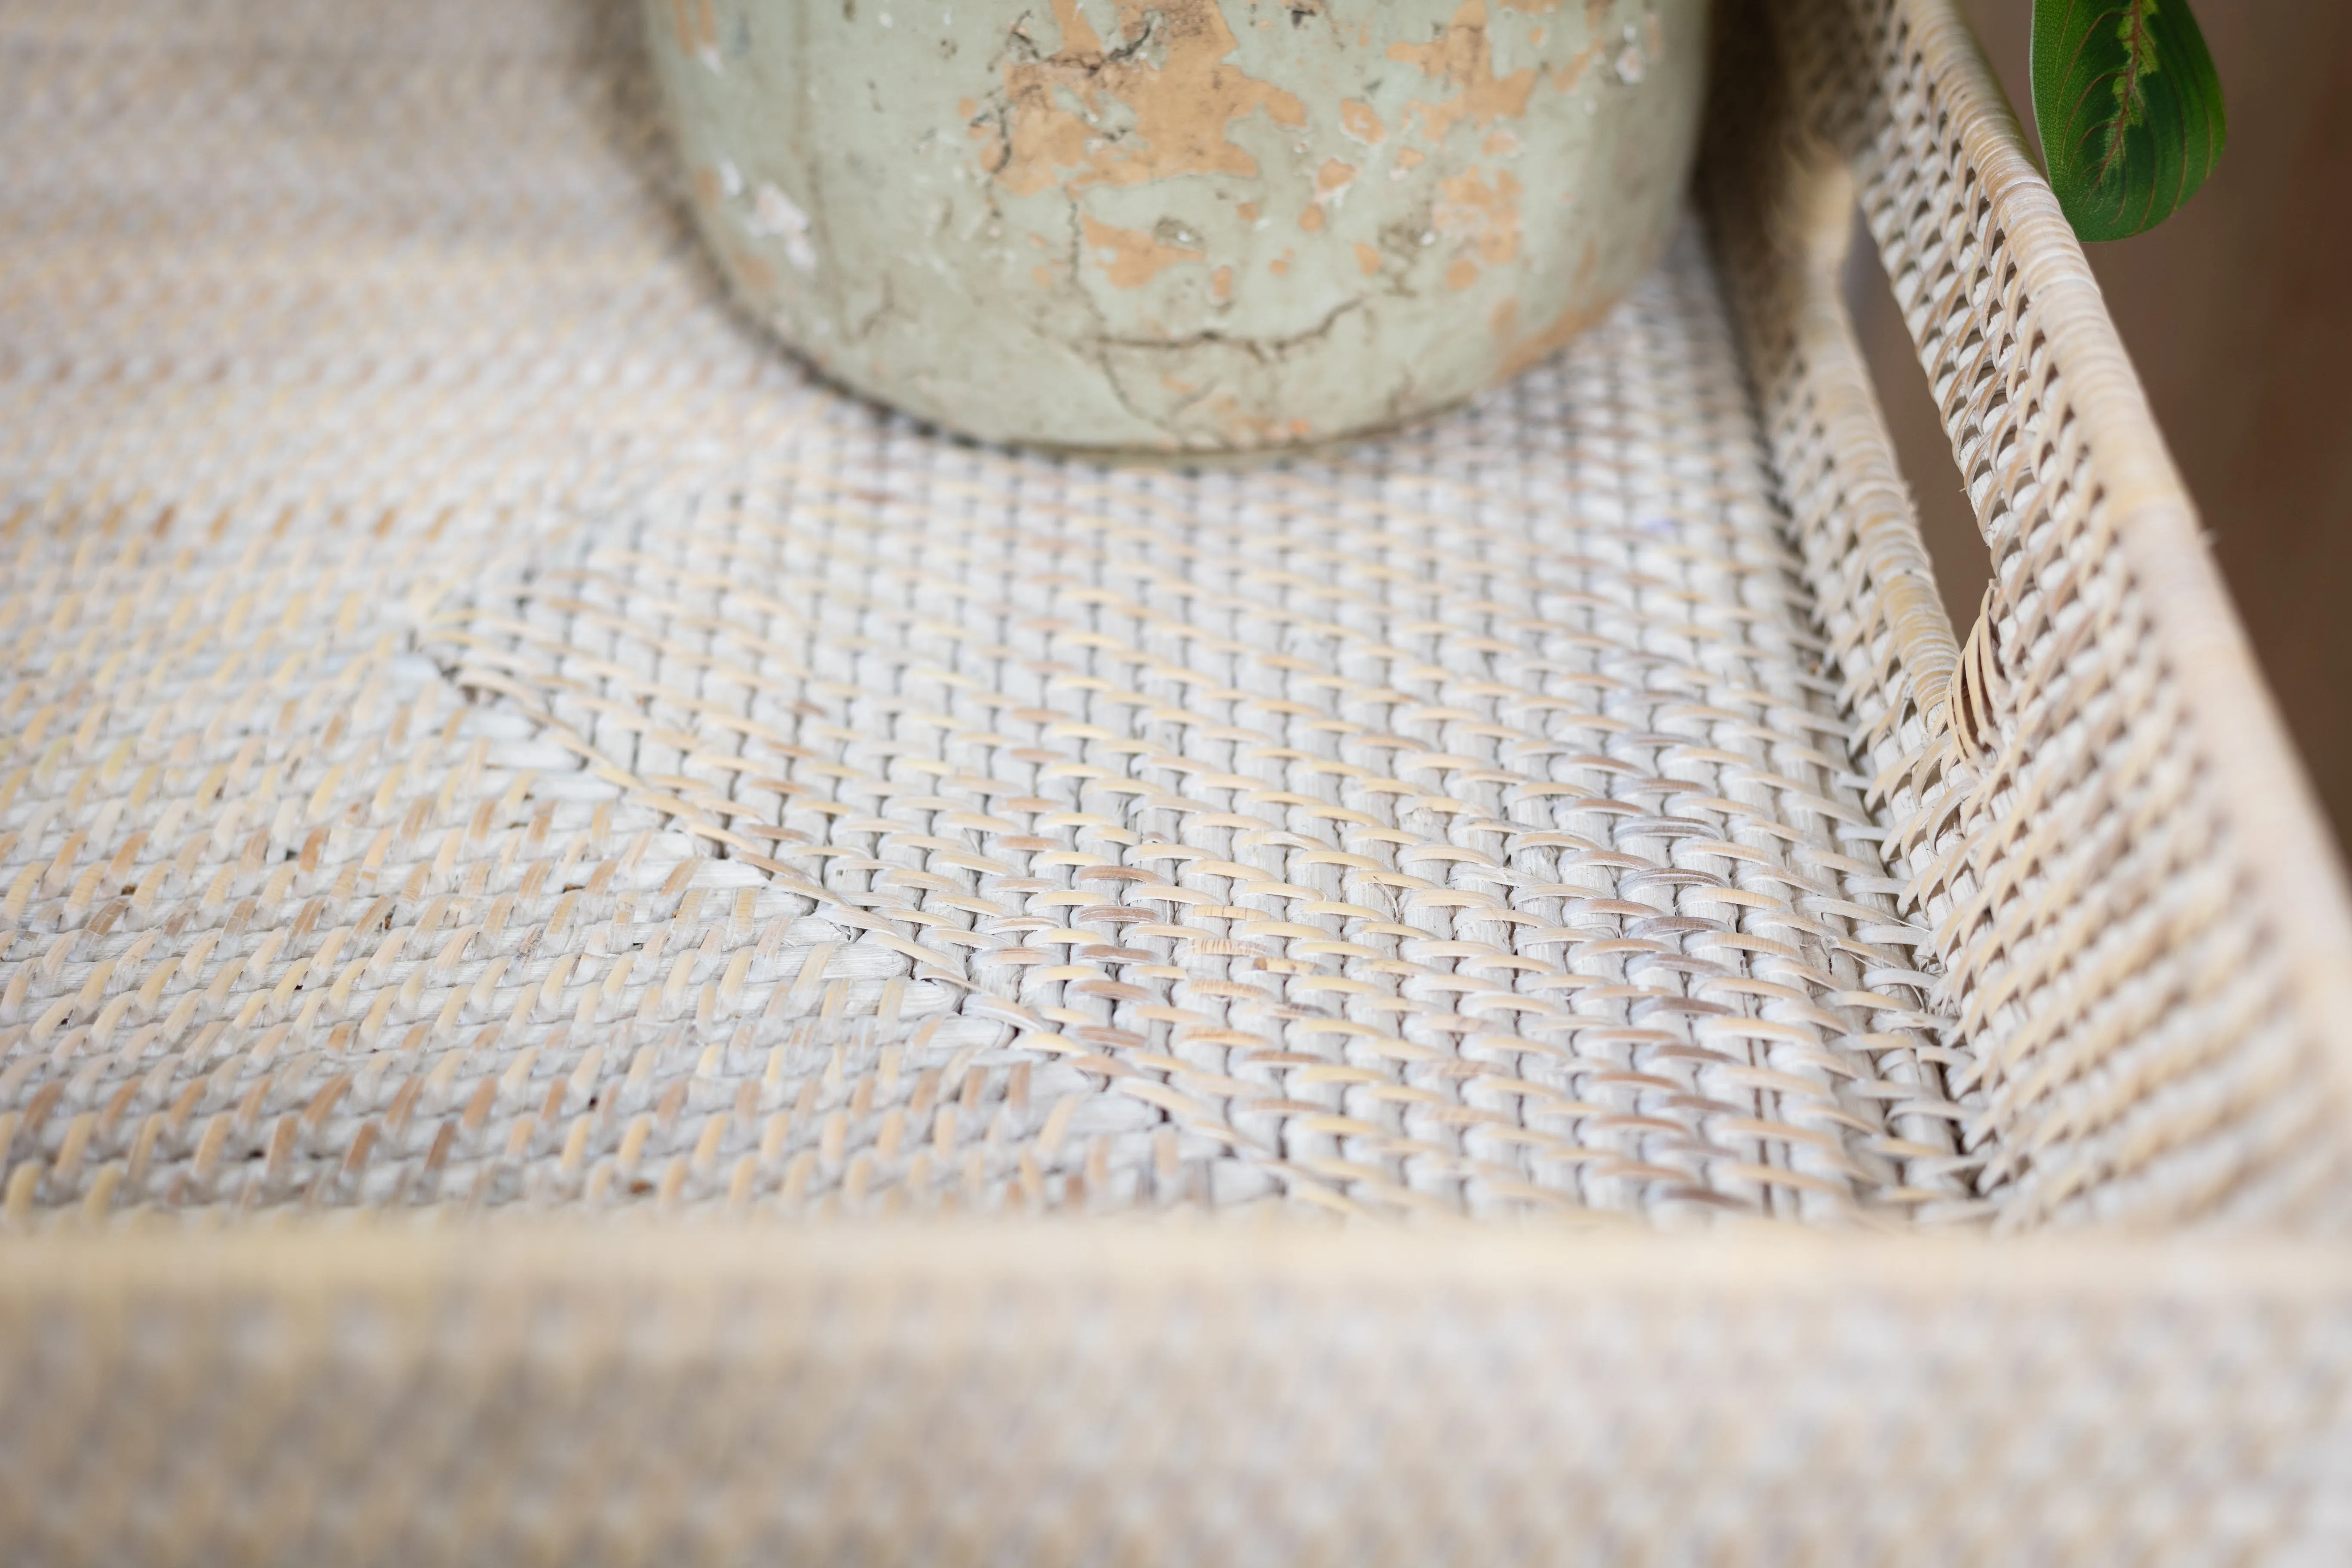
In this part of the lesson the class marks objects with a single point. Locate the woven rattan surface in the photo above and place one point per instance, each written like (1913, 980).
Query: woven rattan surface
(488, 729)
(2139, 923)
(1180, 1394)
(484, 731)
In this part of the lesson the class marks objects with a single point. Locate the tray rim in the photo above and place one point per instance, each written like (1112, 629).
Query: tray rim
(416, 1260)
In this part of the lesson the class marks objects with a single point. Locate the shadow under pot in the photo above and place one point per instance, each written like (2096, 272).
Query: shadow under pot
(1180, 226)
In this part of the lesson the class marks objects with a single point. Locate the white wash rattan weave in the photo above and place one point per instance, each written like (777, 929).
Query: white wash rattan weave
(511, 791)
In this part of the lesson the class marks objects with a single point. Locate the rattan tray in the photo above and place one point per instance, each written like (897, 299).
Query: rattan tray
(580, 913)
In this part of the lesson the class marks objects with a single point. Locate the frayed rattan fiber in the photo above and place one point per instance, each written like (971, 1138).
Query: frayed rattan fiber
(490, 740)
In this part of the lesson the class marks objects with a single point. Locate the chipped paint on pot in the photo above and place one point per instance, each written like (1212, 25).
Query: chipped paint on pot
(1181, 224)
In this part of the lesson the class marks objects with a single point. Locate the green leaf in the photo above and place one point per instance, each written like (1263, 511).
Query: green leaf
(2129, 109)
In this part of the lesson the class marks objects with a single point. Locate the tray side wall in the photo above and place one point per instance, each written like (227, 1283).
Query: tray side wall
(1060, 1394)
(2141, 924)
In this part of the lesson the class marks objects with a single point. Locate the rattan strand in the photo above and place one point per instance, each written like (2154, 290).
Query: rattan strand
(488, 730)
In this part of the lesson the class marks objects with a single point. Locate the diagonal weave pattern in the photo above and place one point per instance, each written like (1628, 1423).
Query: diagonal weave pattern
(485, 728)
(480, 729)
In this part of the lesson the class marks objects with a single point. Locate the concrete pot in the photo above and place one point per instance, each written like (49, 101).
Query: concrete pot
(1181, 224)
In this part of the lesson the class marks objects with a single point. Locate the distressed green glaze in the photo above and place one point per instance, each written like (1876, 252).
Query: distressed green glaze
(1181, 224)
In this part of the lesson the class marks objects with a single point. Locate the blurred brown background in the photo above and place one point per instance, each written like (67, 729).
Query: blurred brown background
(2238, 313)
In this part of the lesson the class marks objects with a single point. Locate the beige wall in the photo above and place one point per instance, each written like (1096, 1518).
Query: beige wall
(2239, 315)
